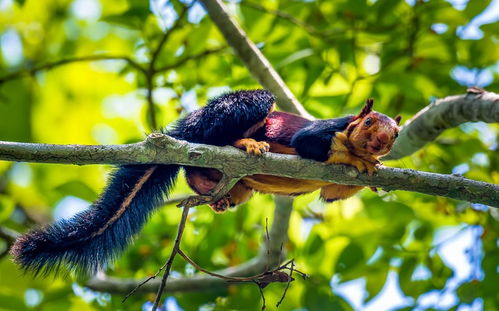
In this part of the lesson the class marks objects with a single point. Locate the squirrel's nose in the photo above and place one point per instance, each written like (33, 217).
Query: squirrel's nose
(382, 138)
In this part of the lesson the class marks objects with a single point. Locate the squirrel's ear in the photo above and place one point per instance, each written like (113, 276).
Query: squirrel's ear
(368, 107)
(397, 119)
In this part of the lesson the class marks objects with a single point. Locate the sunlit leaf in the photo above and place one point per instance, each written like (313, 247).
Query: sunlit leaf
(351, 256)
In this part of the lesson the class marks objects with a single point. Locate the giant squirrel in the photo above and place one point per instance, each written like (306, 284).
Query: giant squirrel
(95, 237)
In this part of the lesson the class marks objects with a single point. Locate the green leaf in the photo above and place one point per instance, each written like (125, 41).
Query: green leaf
(440, 272)
(475, 7)
(133, 18)
(11, 302)
(78, 189)
(376, 278)
(351, 256)
(320, 299)
(15, 111)
(492, 28)
(198, 37)
(406, 270)
(422, 232)
(6, 207)
(468, 292)
(314, 244)
(413, 288)
(313, 71)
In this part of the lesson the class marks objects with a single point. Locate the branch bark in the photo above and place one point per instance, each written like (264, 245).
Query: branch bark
(269, 256)
(255, 61)
(426, 125)
(162, 149)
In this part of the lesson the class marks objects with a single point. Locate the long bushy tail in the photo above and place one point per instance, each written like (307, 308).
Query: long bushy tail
(93, 238)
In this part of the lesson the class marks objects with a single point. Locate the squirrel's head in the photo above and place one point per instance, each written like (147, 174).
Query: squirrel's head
(371, 132)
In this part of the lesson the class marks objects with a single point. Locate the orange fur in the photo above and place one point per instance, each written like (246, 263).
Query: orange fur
(335, 192)
(252, 146)
(282, 185)
(340, 154)
(239, 194)
(279, 148)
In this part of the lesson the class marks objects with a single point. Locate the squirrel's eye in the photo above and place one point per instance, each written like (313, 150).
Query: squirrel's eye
(368, 122)
(396, 135)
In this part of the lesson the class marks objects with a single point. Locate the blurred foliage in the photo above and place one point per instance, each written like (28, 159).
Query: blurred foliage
(333, 55)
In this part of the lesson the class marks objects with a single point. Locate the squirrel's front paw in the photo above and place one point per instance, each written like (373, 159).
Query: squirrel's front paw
(252, 146)
(362, 165)
(370, 167)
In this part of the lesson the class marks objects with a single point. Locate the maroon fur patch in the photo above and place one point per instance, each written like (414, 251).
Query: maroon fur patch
(281, 126)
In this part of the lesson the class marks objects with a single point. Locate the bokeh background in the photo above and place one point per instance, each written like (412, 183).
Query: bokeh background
(385, 251)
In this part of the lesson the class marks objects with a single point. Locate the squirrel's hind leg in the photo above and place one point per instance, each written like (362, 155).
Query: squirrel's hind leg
(334, 192)
(204, 180)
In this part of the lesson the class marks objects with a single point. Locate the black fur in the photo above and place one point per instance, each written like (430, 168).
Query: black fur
(225, 118)
(314, 140)
(70, 243)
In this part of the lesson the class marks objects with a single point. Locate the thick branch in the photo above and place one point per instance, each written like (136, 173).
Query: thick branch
(425, 126)
(265, 260)
(255, 61)
(162, 149)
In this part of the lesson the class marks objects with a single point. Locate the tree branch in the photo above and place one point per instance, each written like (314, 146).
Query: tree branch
(188, 58)
(255, 61)
(8, 235)
(269, 256)
(426, 125)
(162, 149)
(49, 66)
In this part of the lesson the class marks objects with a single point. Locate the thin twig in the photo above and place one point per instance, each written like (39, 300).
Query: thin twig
(166, 35)
(287, 285)
(264, 305)
(151, 71)
(278, 233)
(267, 240)
(175, 200)
(224, 277)
(323, 34)
(166, 263)
(143, 282)
(150, 101)
(175, 249)
(188, 58)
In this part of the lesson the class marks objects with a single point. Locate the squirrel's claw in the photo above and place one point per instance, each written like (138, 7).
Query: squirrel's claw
(252, 146)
